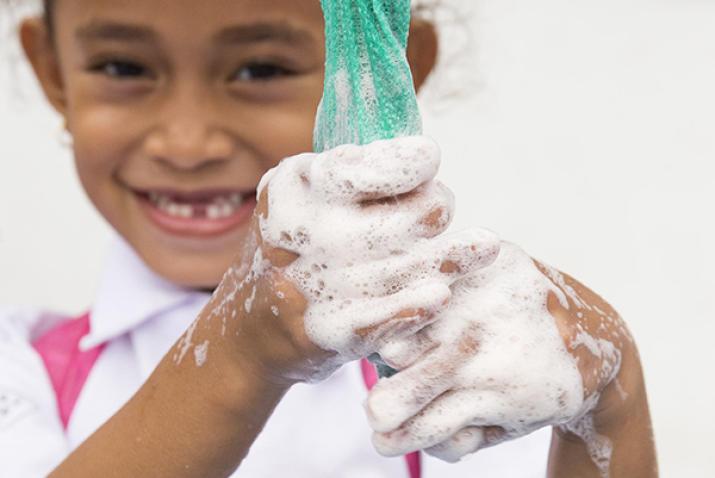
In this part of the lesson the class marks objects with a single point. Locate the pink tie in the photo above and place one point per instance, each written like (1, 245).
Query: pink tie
(414, 460)
(68, 368)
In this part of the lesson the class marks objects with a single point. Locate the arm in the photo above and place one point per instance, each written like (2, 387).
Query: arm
(622, 414)
(521, 346)
(631, 436)
(203, 407)
(185, 421)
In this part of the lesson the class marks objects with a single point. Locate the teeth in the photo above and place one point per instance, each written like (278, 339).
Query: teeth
(185, 211)
(213, 211)
(220, 211)
(221, 207)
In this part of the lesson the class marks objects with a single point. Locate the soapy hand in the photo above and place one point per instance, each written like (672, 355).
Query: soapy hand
(346, 255)
(519, 347)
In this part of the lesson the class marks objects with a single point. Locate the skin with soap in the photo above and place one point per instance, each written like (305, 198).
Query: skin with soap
(176, 110)
(514, 312)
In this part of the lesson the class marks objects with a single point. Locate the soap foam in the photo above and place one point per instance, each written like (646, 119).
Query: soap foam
(361, 262)
(498, 359)
(244, 272)
(200, 353)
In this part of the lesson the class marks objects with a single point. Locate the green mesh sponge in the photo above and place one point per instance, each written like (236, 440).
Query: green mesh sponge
(369, 94)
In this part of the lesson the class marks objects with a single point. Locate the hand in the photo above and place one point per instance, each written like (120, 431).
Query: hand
(519, 347)
(344, 255)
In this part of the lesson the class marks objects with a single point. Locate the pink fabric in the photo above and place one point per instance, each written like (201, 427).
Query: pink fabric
(414, 460)
(67, 366)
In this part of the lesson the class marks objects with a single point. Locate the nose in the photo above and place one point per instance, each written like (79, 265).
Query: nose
(189, 134)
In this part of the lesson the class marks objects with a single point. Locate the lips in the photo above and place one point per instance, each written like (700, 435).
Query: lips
(197, 213)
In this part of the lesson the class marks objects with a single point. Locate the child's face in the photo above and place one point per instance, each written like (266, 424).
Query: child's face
(177, 108)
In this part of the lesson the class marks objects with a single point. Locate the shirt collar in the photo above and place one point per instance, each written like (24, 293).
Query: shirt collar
(129, 294)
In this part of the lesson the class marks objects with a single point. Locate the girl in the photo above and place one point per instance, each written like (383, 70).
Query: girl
(176, 110)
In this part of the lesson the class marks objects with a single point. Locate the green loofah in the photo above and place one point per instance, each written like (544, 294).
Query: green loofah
(369, 93)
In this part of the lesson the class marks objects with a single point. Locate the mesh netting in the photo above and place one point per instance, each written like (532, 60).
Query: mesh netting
(369, 93)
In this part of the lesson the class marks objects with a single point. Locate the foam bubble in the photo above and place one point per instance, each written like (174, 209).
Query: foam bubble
(356, 217)
(200, 353)
(498, 359)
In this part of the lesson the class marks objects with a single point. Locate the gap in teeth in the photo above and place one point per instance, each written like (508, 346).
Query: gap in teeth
(220, 207)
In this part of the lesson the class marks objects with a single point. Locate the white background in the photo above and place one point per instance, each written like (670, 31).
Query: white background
(588, 138)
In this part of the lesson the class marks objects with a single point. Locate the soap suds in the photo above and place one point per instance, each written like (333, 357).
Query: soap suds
(623, 395)
(248, 303)
(356, 217)
(360, 263)
(521, 379)
(599, 448)
(184, 343)
(250, 267)
(200, 353)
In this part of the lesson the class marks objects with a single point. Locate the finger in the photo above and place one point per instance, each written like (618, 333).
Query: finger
(446, 259)
(465, 442)
(421, 312)
(278, 256)
(400, 353)
(438, 217)
(439, 421)
(380, 169)
(283, 201)
(429, 208)
(383, 228)
(405, 324)
(394, 400)
(370, 232)
(359, 327)
(461, 253)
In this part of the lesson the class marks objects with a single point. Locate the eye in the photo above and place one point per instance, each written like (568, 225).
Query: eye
(261, 72)
(120, 69)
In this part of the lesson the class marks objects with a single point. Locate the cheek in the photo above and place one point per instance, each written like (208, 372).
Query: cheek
(103, 131)
(101, 144)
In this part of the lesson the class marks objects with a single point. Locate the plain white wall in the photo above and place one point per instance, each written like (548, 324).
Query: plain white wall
(588, 138)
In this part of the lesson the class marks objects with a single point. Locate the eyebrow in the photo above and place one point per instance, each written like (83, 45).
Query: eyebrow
(238, 34)
(260, 32)
(100, 30)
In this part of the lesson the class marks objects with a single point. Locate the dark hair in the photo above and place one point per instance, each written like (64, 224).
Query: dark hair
(421, 7)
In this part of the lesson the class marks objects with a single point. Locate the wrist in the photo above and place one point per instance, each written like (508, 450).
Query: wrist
(619, 424)
(624, 395)
(237, 373)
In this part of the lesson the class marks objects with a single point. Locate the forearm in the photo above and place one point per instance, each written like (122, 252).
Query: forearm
(620, 418)
(185, 421)
(628, 431)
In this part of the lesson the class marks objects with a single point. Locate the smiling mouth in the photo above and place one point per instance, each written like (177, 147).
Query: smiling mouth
(197, 213)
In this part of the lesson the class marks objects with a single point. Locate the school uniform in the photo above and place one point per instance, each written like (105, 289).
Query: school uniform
(52, 399)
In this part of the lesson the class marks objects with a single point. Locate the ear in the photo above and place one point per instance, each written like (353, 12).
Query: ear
(42, 54)
(422, 50)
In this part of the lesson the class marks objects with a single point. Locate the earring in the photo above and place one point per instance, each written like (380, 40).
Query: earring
(64, 136)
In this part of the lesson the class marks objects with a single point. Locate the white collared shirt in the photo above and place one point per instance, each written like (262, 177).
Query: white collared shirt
(316, 431)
